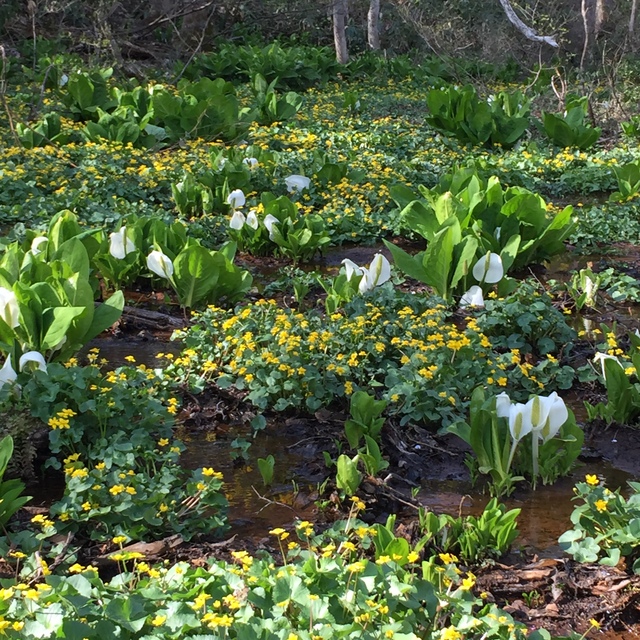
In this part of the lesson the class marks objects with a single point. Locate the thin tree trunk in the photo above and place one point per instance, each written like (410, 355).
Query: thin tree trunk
(525, 30)
(632, 22)
(585, 21)
(340, 30)
(373, 24)
(601, 16)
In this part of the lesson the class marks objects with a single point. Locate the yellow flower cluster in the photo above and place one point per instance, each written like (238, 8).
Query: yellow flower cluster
(61, 419)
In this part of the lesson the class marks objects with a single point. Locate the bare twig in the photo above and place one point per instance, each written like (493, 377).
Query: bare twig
(170, 17)
(33, 110)
(270, 502)
(199, 45)
(3, 95)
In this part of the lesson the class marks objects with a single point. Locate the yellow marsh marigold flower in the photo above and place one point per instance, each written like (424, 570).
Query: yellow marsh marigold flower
(600, 505)
(450, 633)
(158, 620)
(448, 558)
(592, 480)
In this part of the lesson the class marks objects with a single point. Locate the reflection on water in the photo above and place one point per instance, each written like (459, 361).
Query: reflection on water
(115, 350)
(545, 513)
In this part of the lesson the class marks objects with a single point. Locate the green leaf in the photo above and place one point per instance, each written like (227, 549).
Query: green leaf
(265, 466)
(409, 265)
(56, 323)
(195, 274)
(105, 315)
(347, 476)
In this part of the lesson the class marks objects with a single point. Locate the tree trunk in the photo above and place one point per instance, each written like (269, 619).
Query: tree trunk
(340, 30)
(632, 23)
(373, 24)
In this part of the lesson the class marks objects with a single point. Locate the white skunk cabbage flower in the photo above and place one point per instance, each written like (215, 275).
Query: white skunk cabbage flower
(236, 199)
(473, 297)
(520, 423)
(351, 268)
(601, 358)
(503, 404)
(120, 245)
(237, 220)
(37, 243)
(297, 183)
(160, 264)
(378, 273)
(489, 269)
(252, 219)
(34, 357)
(9, 308)
(269, 222)
(7, 374)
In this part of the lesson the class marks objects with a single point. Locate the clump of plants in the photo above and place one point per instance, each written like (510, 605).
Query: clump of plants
(112, 435)
(526, 320)
(472, 539)
(425, 366)
(606, 525)
(500, 120)
(358, 579)
(619, 370)
(513, 441)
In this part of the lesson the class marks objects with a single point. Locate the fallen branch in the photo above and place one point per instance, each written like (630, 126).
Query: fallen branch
(525, 30)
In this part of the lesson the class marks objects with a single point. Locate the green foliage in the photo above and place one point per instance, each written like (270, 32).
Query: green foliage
(583, 288)
(290, 68)
(348, 477)
(140, 493)
(527, 321)
(297, 236)
(308, 359)
(11, 498)
(87, 93)
(365, 418)
(446, 262)
(464, 217)
(606, 526)
(53, 292)
(271, 107)
(473, 539)
(489, 438)
(114, 431)
(628, 177)
(631, 129)
(205, 109)
(124, 126)
(495, 444)
(339, 290)
(501, 120)
(46, 131)
(569, 129)
(265, 466)
(208, 276)
(329, 583)
(618, 371)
